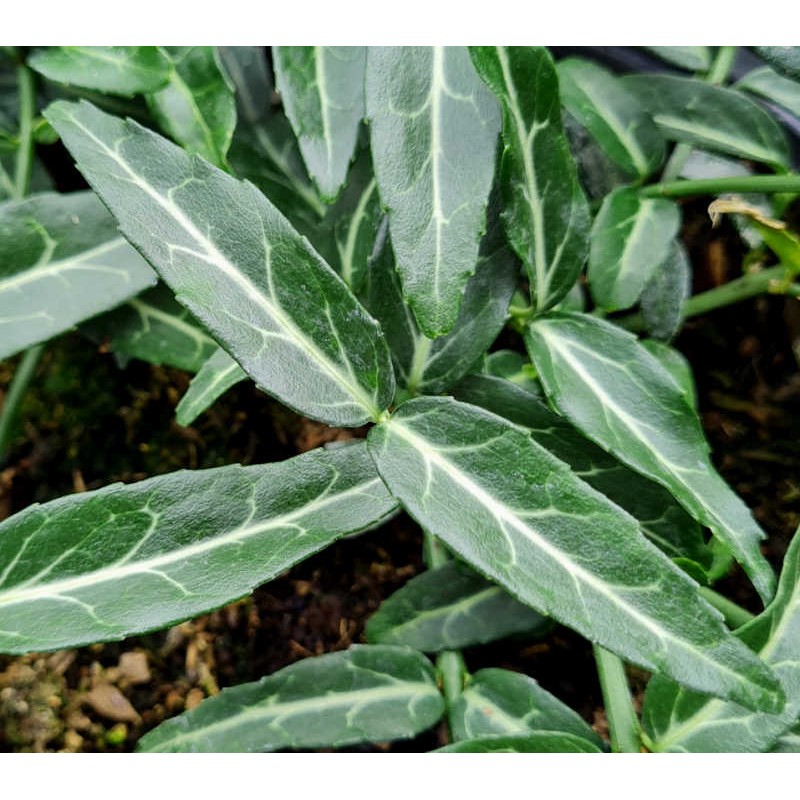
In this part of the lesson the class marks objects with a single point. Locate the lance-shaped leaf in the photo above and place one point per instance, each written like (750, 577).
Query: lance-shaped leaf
(156, 328)
(365, 694)
(612, 115)
(197, 108)
(448, 608)
(497, 702)
(620, 396)
(239, 266)
(662, 519)
(631, 238)
(520, 516)
(101, 565)
(693, 59)
(323, 93)
(434, 128)
(117, 70)
(767, 83)
(431, 366)
(540, 742)
(677, 720)
(62, 260)
(546, 215)
(513, 367)
(247, 69)
(666, 292)
(784, 59)
(693, 111)
(214, 378)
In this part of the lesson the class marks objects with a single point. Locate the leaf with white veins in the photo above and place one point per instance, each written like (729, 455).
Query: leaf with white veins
(448, 608)
(619, 395)
(539, 742)
(631, 238)
(213, 379)
(368, 693)
(62, 260)
(520, 516)
(546, 216)
(323, 93)
(102, 565)
(239, 266)
(434, 128)
(681, 721)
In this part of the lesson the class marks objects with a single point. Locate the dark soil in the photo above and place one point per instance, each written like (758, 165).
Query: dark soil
(89, 422)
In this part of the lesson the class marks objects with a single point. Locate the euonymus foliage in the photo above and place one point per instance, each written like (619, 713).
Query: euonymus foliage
(355, 245)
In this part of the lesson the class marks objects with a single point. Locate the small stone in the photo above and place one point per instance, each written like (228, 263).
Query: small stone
(134, 667)
(109, 702)
(73, 741)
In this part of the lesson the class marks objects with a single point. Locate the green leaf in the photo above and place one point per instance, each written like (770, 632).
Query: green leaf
(680, 721)
(246, 67)
(788, 743)
(62, 261)
(612, 115)
(693, 111)
(434, 129)
(155, 328)
(693, 59)
(514, 367)
(662, 520)
(215, 377)
(197, 108)
(666, 292)
(620, 396)
(520, 516)
(678, 367)
(784, 59)
(431, 366)
(124, 71)
(631, 238)
(365, 694)
(767, 83)
(102, 565)
(497, 702)
(540, 742)
(448, 608)
(287, 318)
(546, 216)
(323, 93)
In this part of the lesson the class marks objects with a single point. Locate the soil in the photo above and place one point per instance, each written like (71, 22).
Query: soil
(89, 422)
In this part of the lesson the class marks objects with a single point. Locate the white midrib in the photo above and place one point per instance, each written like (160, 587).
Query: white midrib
(214, 257)
(74, 263)
(352, 233)
(542, 288)
(628, 142)
(626, 263)
(146, 310)
(319, 72)
(61, 587)
(313, 705)
(437, 87)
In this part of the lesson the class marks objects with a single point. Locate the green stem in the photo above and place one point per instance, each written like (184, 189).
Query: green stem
(622, 722)
(16, 391)
(27, 110)
(768, 184)
(735, 615)
(732, 292)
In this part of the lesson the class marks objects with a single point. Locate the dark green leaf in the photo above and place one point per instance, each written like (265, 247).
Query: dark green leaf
(693, 59)
(323, 93)
(620, 396)
(546, 216)
(612, 115)
(631, 238)
(541, 742)
(287, 318)
(497, 702)
(666, 292)
(514, 367)
(784, 59)
(663, 521)
(769, 84)
(448, 608)
(520, 516)
(197, 108)
(62, 261)
(678, 367)
(117, 70)
(693, 111)
(365, 694)
(432, 366)
(215, 377)
(681, 721)
(434, 129)
(101, 565)
(155, 328)
(247, 69)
